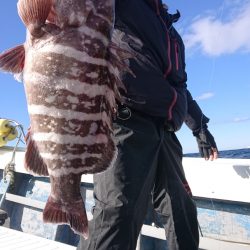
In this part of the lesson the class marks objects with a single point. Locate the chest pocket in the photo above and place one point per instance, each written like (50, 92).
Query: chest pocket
(178, 75)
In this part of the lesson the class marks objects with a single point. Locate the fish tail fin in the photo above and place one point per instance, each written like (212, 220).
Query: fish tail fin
(12, 60)
(73, 214)
(33, 161)
(34, 14)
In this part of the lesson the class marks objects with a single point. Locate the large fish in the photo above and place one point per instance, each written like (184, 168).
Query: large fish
(71, 70)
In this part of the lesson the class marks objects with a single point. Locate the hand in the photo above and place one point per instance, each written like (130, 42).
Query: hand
(206, 144)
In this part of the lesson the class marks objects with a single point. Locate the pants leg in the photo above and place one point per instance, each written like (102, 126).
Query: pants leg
(123, 191)
(172, 199)
(150, 243)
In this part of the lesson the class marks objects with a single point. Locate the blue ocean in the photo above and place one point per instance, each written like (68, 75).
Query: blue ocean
(243, 153)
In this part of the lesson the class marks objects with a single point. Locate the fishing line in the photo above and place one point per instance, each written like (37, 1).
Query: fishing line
(211, 78)
(212, 71)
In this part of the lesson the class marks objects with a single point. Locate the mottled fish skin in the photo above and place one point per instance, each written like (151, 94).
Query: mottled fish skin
(71, 98)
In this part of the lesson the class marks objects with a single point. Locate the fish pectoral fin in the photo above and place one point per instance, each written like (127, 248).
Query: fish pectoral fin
(120, 51)
(73, 214)
(124, 47)
(33, 161)
(34, 14)
(13, 59)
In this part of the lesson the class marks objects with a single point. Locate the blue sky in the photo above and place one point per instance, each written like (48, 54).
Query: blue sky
(217, 39)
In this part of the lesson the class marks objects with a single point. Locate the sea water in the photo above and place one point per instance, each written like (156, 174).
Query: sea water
(243, 153)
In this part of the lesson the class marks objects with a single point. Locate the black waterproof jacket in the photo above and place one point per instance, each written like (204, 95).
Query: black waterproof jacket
(159, 88)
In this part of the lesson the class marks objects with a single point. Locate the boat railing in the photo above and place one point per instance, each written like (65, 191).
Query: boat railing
(207, 186)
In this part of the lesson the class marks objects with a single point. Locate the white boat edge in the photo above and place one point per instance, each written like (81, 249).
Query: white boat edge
(221, 179)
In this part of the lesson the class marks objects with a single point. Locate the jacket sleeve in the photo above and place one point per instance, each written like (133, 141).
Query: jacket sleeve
(195, 119)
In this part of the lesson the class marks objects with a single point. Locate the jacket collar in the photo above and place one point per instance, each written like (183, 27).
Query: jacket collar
(172, 18)
(157, 6)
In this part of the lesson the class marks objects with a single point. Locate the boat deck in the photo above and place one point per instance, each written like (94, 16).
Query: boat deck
(223, 210)
(211, 244)
(11, 240)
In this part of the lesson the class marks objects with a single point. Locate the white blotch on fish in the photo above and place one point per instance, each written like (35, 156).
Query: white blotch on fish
(73, 99)
(50, 99)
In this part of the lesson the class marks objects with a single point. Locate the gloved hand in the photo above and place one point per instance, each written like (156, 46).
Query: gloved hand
(206, 143)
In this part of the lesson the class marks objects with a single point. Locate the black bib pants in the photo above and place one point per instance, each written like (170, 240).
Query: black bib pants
(148, 168)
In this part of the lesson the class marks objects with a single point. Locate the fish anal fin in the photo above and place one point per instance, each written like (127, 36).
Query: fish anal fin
(13, 60)
(34, 14)
(33, 161)
(73, 214)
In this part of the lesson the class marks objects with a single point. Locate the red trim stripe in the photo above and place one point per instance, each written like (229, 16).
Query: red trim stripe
(172, 105)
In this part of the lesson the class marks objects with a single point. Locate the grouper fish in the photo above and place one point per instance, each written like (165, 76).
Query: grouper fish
(71, 74)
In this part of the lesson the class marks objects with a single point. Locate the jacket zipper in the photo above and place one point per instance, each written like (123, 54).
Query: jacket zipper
(167, 71)
(176, 55)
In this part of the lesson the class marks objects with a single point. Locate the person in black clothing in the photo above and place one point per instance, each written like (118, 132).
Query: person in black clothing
(149, 164)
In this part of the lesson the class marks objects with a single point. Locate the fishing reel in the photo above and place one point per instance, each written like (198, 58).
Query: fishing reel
(9, 131)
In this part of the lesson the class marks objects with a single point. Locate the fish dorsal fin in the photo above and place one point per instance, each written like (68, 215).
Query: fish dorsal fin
(33, 160)
(13, 59)
(34, 14)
